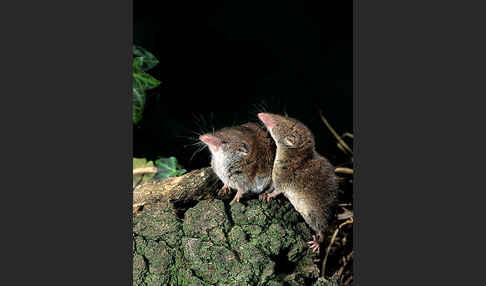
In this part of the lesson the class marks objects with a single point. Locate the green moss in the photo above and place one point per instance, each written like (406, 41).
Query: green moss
(140, 244)
(254, 231)
(237, 237)
(139, 269)
(159, 222)
(333, 281)
(260, 266)
(160, 257)
(207, 220)
(254, 243)
(184, 277)
(275, 283)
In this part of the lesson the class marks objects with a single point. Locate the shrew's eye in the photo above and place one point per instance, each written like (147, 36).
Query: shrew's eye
(243, 149)
(290, 140)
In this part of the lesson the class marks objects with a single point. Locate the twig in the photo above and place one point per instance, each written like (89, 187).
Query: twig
(144, 170)
(346, 260)
(342, 148)
(343, 170)
(347, 134)
(350, 220)
(340, 140)
(345, 215)
(345, 204)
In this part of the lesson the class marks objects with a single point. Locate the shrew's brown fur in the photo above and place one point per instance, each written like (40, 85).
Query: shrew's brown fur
(242, 157)
(305, 177)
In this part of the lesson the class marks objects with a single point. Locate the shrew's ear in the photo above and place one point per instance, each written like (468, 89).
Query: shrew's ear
(252, 126)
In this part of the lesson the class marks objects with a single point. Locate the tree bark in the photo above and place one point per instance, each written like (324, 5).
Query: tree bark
(182, 190)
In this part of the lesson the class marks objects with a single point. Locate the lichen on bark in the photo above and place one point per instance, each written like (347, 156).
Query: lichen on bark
(248, 243)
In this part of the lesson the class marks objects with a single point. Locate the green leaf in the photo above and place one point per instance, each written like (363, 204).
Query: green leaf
(141, 163)
(145, 81)
(168, 167)
(142, 81)
(138, 103)
(143, 60)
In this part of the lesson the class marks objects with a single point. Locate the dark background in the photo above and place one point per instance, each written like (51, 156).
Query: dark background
(219, 60)
(419, 151)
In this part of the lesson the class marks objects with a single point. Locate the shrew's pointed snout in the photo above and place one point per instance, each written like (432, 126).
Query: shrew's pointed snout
(211, 141)
(267, 119)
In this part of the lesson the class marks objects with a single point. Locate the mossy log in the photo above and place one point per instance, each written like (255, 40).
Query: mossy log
(214, 243)
(249, 243)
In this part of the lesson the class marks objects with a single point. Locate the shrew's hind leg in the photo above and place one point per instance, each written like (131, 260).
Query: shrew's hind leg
(268, 196)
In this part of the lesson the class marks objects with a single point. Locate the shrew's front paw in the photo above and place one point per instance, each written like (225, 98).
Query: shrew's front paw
(237, 197)
(262, 197)
(314, 244)
(225, 190)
